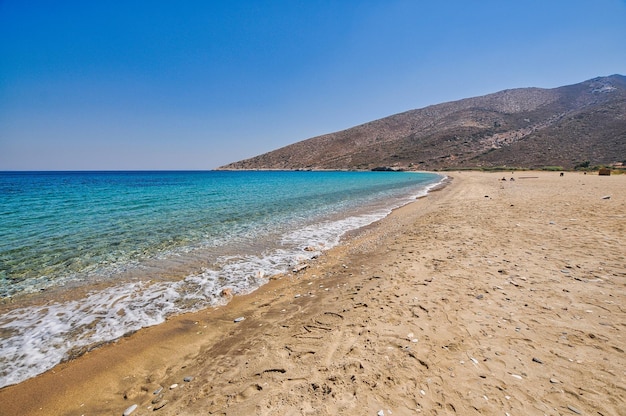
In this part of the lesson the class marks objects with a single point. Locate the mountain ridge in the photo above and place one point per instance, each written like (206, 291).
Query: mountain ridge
(522, 127)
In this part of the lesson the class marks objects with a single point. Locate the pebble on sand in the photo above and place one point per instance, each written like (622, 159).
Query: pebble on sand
(573, 409)
(130, 410)
(173, 386)
(241, 318)
(188, 379)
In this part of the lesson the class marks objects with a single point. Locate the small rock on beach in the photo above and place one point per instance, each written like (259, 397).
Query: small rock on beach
(575, 410)
(130, 410)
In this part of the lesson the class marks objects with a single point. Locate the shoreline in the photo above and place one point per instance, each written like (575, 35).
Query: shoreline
(68, 317)
(452, 270)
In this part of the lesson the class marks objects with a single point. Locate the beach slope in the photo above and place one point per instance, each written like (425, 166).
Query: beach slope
(494, 295)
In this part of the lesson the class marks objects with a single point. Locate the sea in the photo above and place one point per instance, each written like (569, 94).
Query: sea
(89, 257)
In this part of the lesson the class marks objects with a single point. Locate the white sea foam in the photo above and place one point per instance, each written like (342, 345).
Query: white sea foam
(35, 339)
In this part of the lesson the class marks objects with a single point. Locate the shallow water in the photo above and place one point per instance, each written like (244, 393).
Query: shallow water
(86, 257)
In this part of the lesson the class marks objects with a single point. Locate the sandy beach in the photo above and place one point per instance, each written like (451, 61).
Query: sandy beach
(487, 297)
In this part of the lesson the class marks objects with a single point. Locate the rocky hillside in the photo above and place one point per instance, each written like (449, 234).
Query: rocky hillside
(526, 127)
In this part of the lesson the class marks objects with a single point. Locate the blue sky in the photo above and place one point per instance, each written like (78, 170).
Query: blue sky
(198, 84)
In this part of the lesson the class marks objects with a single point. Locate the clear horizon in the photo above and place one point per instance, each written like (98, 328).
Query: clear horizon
(123, 86)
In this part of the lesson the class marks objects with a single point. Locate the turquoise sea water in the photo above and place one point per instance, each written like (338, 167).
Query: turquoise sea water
(86, 257)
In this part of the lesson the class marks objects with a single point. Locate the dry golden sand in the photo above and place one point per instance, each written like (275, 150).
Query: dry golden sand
(488, 297)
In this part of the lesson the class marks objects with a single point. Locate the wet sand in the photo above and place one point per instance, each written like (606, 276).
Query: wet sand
(487, 297)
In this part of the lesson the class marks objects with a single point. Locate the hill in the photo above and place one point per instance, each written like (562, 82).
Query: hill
(524, 127)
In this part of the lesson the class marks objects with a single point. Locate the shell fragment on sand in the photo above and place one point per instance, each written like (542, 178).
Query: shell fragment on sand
(129, 410)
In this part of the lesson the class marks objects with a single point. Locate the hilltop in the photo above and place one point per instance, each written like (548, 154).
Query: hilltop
(568, 126)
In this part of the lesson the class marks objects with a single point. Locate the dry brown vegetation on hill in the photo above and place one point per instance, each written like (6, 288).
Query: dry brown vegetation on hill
(526, 128)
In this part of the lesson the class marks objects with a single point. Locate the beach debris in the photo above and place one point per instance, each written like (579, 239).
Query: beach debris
(573, 409)
(554, 381)
(300, 267)
(479, 297)
(422, 362)
(606, 197)
(129, 410)
(159, 390)
(160, 405)
(173, 386)
(381, 413)
(157, 399)
(188, 379)
(537, 360)
(226, 293)
(517, 376)
(241, 318)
